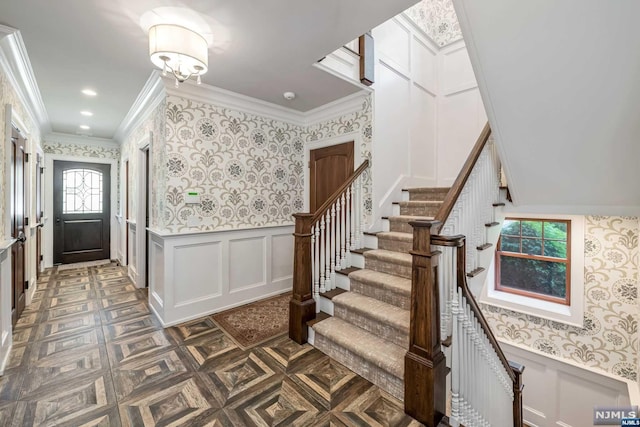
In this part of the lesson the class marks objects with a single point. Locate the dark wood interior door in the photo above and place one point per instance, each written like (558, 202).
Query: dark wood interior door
(82, 212)
(39, 213)
(18, 297)
(329, 169)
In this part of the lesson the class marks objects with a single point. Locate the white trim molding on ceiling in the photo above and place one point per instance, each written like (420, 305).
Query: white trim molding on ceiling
(15, 62)
(152, 94)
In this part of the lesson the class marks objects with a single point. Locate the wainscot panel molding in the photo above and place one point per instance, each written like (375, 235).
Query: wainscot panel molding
(133, 258)
(557, 393)
(202, 272)
(5, 302)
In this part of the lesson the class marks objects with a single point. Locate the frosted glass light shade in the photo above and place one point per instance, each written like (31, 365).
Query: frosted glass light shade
(178, 49)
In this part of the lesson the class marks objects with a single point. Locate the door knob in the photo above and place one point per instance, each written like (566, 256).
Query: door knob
(21, 237)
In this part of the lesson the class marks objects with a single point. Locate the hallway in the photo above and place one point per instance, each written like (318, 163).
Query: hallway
(88, 351)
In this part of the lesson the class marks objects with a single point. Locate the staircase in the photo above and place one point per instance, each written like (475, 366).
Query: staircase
(369, 330)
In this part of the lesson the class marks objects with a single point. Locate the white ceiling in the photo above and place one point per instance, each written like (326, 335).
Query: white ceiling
(260, 49)
(561, 85)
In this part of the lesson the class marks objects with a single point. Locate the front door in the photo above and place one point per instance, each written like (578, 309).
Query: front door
(329, 169)
(81, 200)
(18, 297)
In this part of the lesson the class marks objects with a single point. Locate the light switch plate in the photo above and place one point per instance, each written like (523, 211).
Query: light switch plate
(192, 197)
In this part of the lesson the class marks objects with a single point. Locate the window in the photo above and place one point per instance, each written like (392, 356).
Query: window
(538, 268)
(534, 259)
(81, 191)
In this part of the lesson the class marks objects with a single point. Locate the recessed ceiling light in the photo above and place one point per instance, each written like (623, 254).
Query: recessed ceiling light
(85, 127)
(86, 113)
(89, 92)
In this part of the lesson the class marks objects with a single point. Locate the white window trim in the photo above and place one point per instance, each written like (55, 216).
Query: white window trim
(572, 314)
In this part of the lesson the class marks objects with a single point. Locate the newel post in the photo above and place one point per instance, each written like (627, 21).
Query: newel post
(518, 414)
(425, 368)
(302, 306)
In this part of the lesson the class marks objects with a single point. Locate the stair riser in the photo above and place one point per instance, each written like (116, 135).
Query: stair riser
(419, 210)
(400, 226)
(395, 245)
(381, 294)
(383, 379)
(388, 267)
(427, 196)
(397, 336)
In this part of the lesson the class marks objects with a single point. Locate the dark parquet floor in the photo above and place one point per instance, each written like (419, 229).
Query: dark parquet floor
(88, 352)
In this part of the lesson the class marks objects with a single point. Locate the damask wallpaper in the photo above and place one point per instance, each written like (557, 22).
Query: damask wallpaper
(154, 125)
(81, 150)
(248, 169)
(9, 96)
(609, 338)
(437, 18)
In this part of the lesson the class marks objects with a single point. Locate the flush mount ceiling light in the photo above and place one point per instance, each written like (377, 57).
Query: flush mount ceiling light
(89, 92)
(179, 51)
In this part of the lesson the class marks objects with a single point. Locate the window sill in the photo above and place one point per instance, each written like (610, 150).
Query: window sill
(534, 307)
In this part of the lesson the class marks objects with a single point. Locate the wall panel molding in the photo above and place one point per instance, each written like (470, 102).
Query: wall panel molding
(197, 274)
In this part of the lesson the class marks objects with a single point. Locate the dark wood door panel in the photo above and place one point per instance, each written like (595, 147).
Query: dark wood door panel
(18, 297)
(82, 225)
(329, 169)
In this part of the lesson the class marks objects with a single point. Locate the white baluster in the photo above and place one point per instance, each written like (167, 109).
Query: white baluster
(352, 217)
(344, 237)
(334, 234)
(327, 266)
(323, 243)
(362, 211)
(314, 265)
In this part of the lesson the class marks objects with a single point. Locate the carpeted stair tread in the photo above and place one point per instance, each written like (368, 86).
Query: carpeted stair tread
(410, 217)
(388, 282)
(426, 203)
(396, 235)
(427, 189)
(377, 311)
(390, 256)
(381, 353)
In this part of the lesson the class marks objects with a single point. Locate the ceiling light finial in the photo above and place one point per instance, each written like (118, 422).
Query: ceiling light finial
(178, 50)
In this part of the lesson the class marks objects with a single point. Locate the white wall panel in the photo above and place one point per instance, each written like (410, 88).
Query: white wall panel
(392, 122)
(197, 271)
(422, 149)
(281, 261)
(458, 131)
(156, 270)
(5, 304)
(424, 65)
(196, 274)
(247, 263)
(457, 72)
(557, 393)
(392, 44)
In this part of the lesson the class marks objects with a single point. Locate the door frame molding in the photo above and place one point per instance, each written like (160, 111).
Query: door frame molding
(47, 232)
(144, 144)
(328, 142)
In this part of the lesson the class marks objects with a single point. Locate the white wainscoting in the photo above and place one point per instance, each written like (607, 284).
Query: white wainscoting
(196, 274)
(5, 303)
(132, 267)
(557, 393)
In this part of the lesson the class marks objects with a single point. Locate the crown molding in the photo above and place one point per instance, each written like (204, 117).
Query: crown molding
(15, 62)
(153, 92)
(235, 101)
(67, 138)
(337, 108)
(232, 100)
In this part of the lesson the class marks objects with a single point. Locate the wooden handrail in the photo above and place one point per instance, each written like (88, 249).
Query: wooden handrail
(463, 177)
(336, 194)
(459, 242)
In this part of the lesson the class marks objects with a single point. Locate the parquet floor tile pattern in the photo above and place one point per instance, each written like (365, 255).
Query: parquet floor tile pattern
(89, 352)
